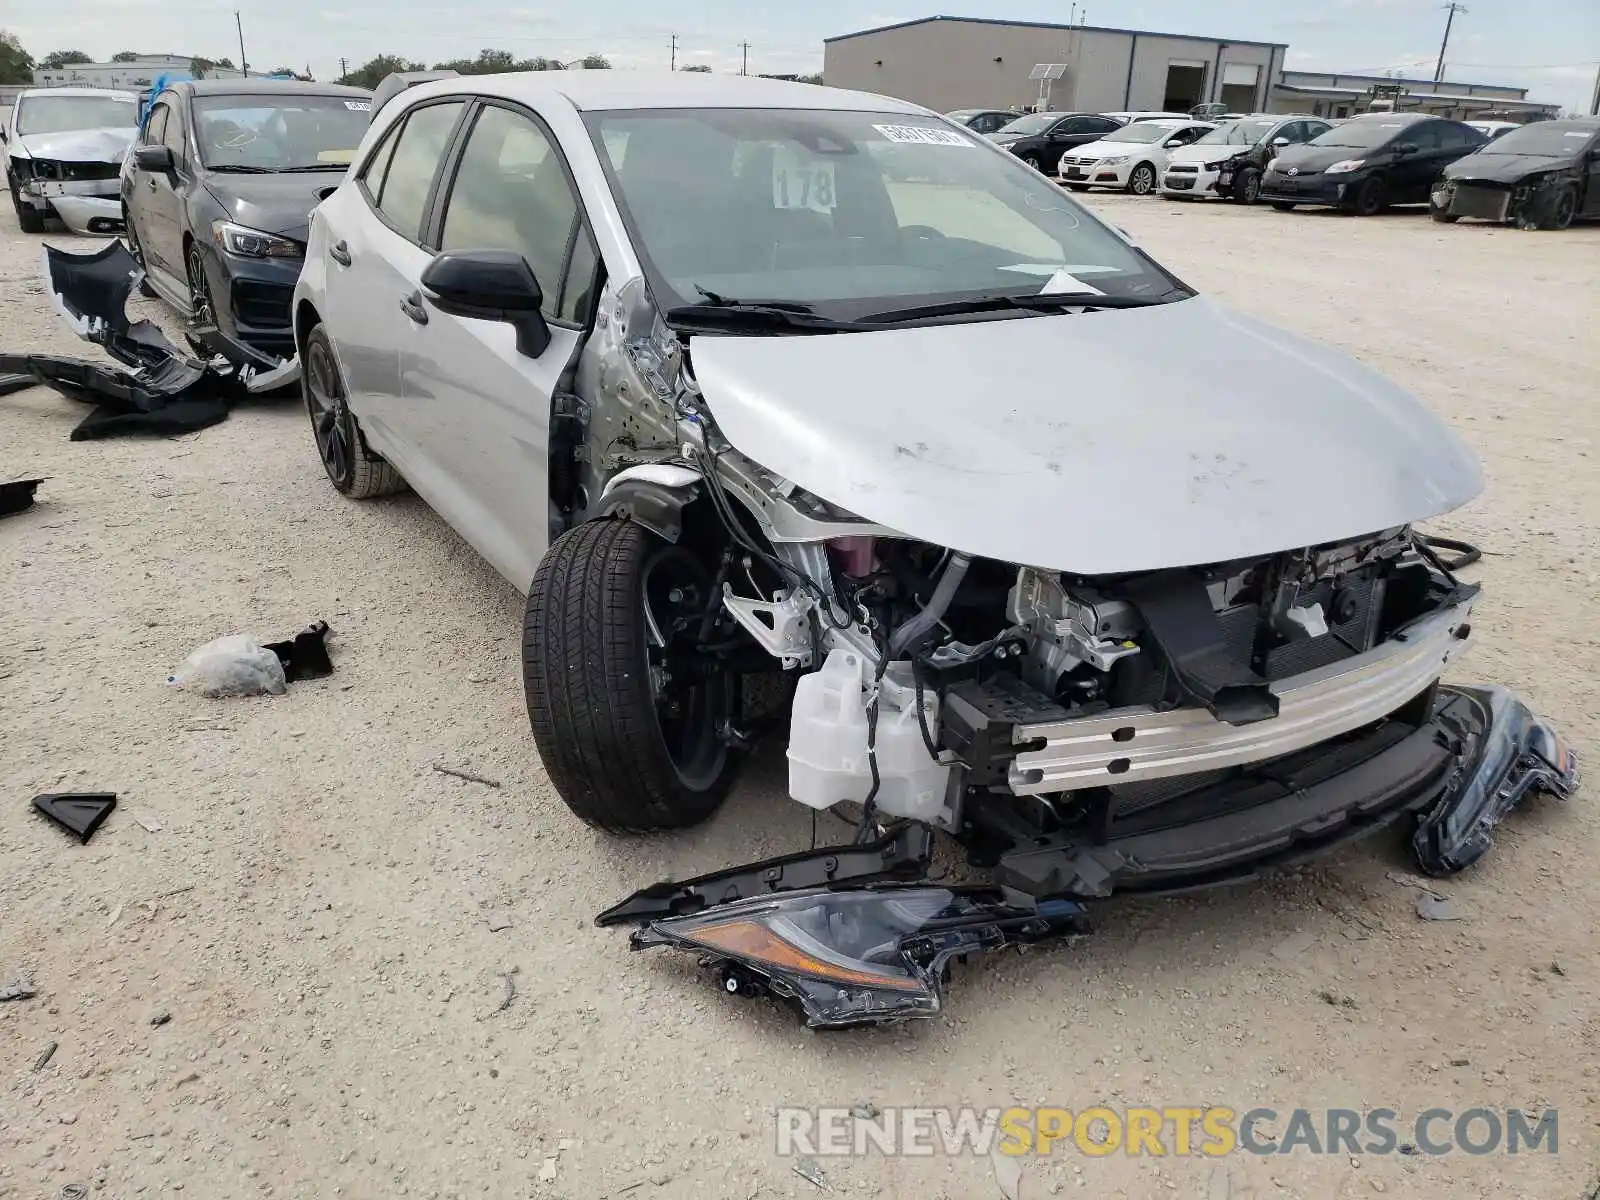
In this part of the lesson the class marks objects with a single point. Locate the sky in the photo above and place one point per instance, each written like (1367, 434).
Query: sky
(1551, 47)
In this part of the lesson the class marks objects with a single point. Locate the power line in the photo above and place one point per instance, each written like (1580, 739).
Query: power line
(1452, 9)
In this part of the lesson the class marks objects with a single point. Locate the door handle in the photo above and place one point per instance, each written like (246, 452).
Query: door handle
(151, 183)
(340, 253)
(412, 307)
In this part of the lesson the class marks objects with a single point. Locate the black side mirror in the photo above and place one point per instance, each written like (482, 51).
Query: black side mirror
(154, 158)
(490, 285)
(1404, 148)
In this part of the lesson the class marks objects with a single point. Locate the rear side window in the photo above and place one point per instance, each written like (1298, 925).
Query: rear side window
(511, 192)
(1425, 135)
(402, 194)
(1453, 136)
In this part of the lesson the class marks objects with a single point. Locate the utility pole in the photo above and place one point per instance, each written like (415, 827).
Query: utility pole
(1452, 8)
(344, 68)
(745, 69)
(244, 70)
(674, 52)
(1594, 105)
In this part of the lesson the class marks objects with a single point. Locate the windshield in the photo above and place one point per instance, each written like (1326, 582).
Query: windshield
(1361, 135)
(1144, 131)
(1034, 123)
(844, 210)
(279, 133)
(63, 114)
(1237, 133)
(1543, 140)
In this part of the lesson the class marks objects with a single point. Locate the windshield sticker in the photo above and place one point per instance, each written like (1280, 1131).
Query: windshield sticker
(803, 182)
(922, 135)
(1583, 133)
(358, 105)
(1066, 282)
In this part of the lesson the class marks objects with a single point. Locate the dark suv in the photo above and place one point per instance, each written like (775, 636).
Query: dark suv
(218, 192)
(1368, 163)
(1040, 139)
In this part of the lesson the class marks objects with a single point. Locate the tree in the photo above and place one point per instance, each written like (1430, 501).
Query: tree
(57, 59)
(199, 66)
(374, 71)
(596, 62)
(698, 69)
(816, 79)
(125, 56)
(16, 64)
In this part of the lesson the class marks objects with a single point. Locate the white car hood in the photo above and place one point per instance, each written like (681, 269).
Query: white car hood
(1107, 149)
(1204, 154)
(78, 145)
(1095, 443)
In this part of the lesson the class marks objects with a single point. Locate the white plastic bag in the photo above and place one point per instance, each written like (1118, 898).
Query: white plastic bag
(231, 666)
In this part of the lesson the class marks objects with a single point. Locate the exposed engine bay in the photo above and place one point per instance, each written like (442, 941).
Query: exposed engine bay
(1078, 735)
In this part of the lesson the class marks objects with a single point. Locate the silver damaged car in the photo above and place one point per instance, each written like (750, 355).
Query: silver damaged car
(754, 388)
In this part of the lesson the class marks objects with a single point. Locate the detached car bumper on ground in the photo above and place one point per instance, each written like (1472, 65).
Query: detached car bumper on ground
(1146, 652)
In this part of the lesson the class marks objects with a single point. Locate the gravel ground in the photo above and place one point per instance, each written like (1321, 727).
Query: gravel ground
(292, 882)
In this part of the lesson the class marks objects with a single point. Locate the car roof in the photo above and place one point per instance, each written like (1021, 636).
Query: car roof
(268, 87)
(1570, 124)
(1402, 117)
(598, 91)
(115, 93)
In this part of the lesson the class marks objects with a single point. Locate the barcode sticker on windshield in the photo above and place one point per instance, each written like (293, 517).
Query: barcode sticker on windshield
(358, 105)
(803, 182)
(922, 135)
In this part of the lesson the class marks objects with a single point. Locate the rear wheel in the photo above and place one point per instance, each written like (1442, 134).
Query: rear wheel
(630, 720)
(1142, 180)
(29, 219)
(352, 468)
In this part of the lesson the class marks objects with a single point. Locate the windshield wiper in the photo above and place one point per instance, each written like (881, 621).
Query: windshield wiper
(241, 169)
(314, 167)
(752, 316)
(1041, 302)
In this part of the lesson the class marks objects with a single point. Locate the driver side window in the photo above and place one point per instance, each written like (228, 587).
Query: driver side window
(1424, 136)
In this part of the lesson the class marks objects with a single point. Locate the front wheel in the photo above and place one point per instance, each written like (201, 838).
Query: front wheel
(1247, 188)
(203, 308)
(29, 218)
(131, 237)
(631, 717)
(1564, 209)
(1078, 187)
(1033, 161)
(1143, 180)
(1369, 199)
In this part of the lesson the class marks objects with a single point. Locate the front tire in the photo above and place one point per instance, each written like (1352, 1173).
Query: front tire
(1369, 199)
(131, 237)
(1078, 187)
(629, 749)
(203, 309)
(1033, 161)
(1142, 180)
(352, 467)
(1247, 188)
(29, 219)
(1564, 209)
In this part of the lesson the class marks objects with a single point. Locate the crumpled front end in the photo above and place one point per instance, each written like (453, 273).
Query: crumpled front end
(1533, 202)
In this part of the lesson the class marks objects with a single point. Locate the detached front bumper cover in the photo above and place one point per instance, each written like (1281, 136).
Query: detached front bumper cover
(863, 941)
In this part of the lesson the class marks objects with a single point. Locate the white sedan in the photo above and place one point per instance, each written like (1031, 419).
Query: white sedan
(1130, 159)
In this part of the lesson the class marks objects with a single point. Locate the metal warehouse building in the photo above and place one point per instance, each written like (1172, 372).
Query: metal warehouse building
(945, 63)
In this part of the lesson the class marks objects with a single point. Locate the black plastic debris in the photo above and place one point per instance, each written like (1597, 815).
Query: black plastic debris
(160, 388)
(304, 656)
(77, 812)
(17, 495)
(15, 383)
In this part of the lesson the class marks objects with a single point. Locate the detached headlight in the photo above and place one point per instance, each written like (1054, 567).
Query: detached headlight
(245, 242)
(1345, 165)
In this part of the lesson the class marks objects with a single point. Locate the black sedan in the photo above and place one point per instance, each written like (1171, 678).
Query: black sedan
(1545, 175)
(982, 120)
(1040, 139)
(1368, 163)
(218, 194)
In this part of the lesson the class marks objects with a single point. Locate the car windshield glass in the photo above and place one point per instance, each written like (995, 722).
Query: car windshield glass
(1144, 131)
(1236, 133)
(1544, 140)
(62, 114)
(963, 114)
(280, 133)
(1036, 123)
(842, 211)
(1360, 135)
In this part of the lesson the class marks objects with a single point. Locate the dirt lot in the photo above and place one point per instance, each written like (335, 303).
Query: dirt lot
(307, 898)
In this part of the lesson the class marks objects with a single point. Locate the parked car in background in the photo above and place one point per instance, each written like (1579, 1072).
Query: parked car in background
(982, 120)
(1130, 158)
(64, 148)
(1128, 118)
(1040, 139)
(392, 85)
(1228, 160)
(1494, 129)
(1368, 163)
(684, 362)
(219, 194)
(1544, 175)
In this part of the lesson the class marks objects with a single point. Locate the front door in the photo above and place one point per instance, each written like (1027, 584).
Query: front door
(480, 406)
(1413, 173)
(1590, 164)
